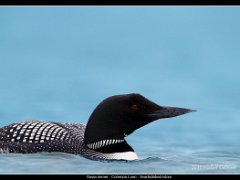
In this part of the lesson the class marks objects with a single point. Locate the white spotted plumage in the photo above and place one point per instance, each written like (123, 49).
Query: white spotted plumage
(64, 137)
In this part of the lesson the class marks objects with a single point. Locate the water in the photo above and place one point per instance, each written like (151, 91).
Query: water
(58, 63)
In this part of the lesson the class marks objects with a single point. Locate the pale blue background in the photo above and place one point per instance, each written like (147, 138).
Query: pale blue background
(58, 63)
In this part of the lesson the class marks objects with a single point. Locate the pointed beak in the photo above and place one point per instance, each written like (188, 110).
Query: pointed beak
(168, 112)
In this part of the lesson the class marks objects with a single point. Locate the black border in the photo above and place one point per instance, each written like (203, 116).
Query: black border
(117, 2)
(130, 176)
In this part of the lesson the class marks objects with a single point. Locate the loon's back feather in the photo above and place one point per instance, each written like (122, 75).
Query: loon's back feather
(37, 136)
(40, 136)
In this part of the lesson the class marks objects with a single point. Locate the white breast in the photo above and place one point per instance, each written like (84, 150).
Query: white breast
(122, 156)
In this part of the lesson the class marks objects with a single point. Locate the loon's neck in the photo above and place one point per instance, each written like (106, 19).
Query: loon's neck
(117, 149)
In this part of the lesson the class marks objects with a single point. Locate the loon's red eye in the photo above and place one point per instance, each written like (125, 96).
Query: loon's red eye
(134, 107)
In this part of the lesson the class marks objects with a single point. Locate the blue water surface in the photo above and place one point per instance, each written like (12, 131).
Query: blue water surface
(58, 63)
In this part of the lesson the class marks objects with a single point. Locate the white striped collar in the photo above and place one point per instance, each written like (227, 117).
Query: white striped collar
(104, 143)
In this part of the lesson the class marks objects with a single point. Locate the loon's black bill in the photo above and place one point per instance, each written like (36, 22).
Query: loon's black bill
(168, 112)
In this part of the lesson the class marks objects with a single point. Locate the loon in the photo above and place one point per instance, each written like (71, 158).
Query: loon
(103, 138)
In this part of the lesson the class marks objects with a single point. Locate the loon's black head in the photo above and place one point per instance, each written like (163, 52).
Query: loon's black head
(120, 115)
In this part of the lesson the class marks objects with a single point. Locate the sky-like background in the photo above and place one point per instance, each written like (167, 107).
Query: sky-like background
(72, 57)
